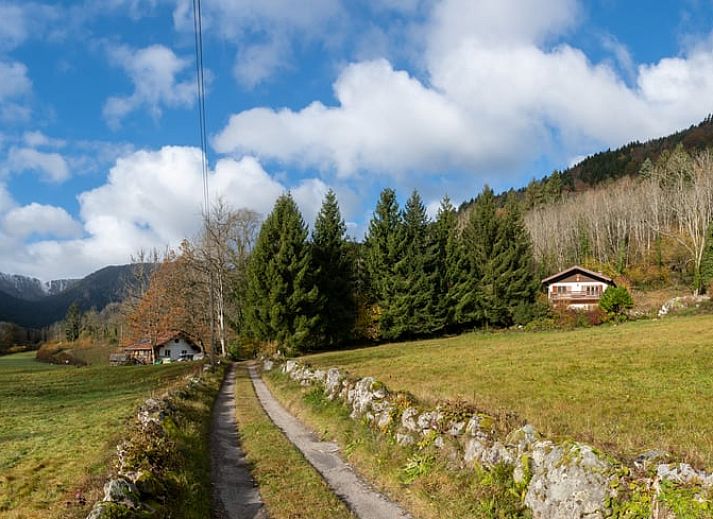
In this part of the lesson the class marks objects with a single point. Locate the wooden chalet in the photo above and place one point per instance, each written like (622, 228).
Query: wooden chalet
(169, 347)
(577, 288)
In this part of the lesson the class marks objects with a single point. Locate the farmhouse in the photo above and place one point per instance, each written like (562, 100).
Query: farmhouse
(169, 347)
(577, 288)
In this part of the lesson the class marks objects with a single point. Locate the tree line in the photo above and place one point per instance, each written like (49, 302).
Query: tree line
(277, 286)
(410, 277)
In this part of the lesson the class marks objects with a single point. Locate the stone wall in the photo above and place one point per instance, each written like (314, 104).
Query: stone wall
(137, 488)
(565, 480)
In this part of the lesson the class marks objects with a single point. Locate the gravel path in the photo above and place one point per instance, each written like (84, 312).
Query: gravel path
(361, 499)
(234, 492)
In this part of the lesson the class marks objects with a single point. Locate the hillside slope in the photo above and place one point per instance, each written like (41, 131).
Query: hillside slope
(94, 291)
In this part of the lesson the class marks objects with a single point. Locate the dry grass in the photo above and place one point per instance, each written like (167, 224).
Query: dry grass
(290, 487)
(59, 425)
(625, 389)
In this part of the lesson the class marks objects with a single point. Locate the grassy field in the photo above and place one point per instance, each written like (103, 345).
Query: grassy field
(625, 389)
(289, 486)
(59, 425)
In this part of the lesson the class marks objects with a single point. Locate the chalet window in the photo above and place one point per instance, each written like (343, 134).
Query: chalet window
(175, 340)
(166, 353)
(561, 289)
(184, 352)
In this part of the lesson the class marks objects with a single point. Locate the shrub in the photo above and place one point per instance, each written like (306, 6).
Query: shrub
(616, 300)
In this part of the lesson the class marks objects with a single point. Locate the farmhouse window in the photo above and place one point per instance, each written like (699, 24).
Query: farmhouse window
(561, 289)
(184, 352)
(166, 353)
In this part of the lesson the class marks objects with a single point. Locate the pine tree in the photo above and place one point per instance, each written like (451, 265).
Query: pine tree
(335, 273)
(382, 253)
(448, 263)
(282, 295)
(413, 308)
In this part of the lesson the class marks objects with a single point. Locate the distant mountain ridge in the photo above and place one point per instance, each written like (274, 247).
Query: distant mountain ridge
(32, 289)
(33, 310)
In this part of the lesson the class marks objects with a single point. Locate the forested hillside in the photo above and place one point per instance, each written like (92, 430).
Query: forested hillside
(94, 291)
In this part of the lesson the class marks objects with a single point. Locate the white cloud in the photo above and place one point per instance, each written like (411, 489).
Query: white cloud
(13, 30)
(265, 32)
(36, 139)
(14, 80)
(499, 92)
(150, 199)
(154, 72)
(52, 166)
(37, 219)
(399, 125)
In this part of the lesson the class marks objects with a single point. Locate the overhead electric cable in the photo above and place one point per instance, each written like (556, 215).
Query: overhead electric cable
(200, 79)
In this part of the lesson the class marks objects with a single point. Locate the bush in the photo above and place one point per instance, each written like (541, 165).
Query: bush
(616, 300)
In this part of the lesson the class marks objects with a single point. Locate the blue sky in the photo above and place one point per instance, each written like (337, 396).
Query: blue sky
(98, 117)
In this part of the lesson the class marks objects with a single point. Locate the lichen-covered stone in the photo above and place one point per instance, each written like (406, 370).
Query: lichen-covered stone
(151, 413)
(404, 439)
(522, 439)
(332, 383)
(683, 473)
(408, 419)
(361, 396)
(456, 428)
(267, 365)
(473, 426)
(121, 491)
(289, 366)
(568, 483)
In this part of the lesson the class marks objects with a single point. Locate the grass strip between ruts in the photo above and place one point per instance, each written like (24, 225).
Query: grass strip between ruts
(289, 486)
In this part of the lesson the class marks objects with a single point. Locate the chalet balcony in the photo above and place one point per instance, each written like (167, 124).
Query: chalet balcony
(575, 296)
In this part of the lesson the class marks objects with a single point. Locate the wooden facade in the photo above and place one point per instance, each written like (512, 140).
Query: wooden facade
(576, 288)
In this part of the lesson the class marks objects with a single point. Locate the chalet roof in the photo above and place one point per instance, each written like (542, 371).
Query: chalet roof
(577, 269)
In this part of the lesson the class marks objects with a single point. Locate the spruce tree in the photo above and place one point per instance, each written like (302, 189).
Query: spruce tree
(413, 307)
(382, 253)
(475, 291)
(282, 295)
(448, 264)
(513, 282)
(335, 273)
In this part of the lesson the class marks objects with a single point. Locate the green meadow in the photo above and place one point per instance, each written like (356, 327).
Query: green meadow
(59, 426)
(625, 388)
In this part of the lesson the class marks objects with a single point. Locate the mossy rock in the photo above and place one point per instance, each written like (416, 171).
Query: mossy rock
(108, 510)
(149, 485)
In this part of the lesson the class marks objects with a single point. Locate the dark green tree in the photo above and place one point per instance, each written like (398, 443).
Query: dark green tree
(513, 282)
(448, 263)
(333, 263)
(73, 322)
(282, 295)
(476, 291)
(413, 307)
(383, 251)
(616, 300)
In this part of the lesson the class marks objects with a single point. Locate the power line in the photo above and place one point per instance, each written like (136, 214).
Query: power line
(200, 79)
